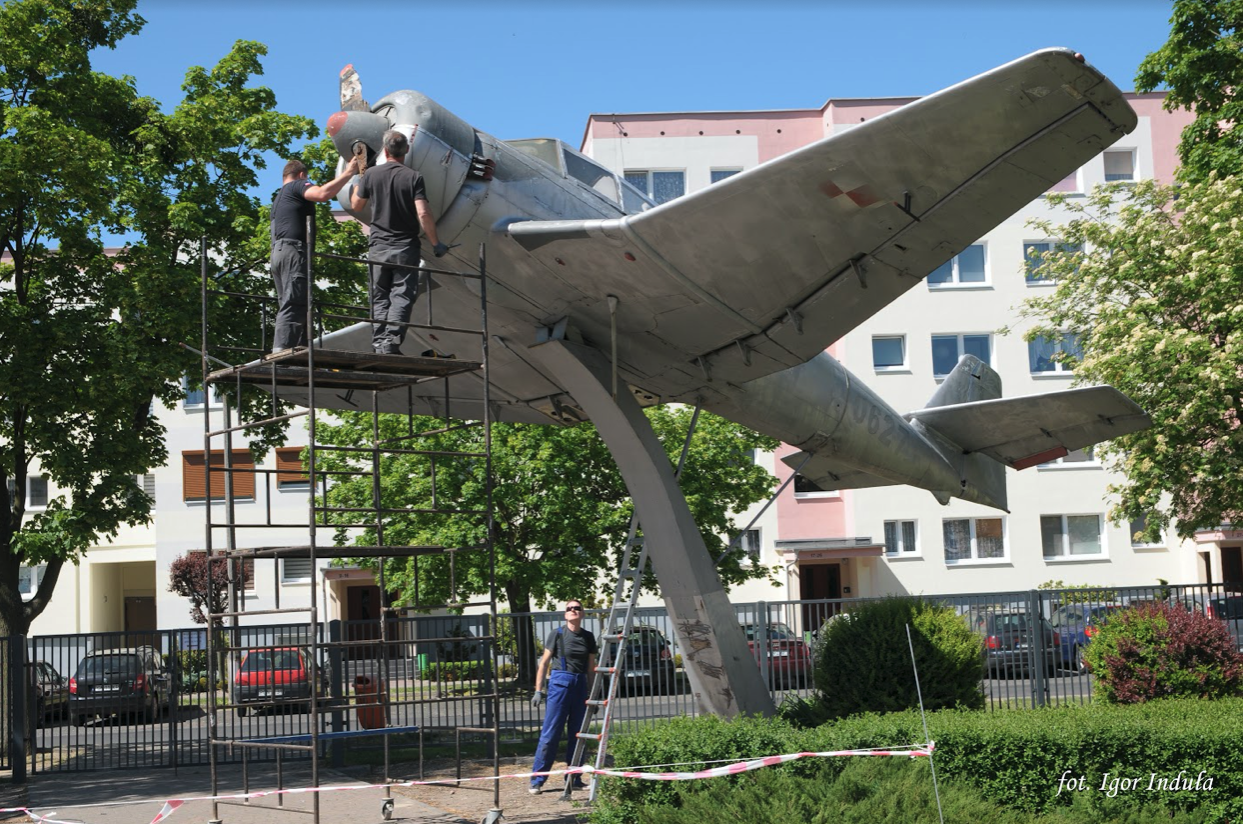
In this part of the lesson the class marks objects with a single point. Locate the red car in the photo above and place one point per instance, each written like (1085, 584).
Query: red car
(274, 675)
(788, 656)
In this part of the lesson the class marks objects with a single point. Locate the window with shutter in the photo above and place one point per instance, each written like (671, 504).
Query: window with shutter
(194, 481)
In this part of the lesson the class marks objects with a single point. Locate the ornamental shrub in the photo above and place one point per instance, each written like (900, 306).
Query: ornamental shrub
(1159, 650)
(863, 661)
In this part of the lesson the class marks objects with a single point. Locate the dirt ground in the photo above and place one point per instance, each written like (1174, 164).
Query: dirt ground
(471, 801)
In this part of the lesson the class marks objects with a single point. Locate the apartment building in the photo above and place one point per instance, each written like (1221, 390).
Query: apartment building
(899, 539)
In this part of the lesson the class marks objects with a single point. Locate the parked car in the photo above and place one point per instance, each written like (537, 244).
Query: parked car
(645, 662)
(275, 675)
(48, 696)
(788, 656)
(1075, 624)
(126, 681)
(1009, 638)
(1225, 608)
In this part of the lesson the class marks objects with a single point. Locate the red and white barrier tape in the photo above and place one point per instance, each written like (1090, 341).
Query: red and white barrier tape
(731, 768)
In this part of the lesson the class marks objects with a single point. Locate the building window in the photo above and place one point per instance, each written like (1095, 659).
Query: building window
(1065, 536)
(296, 570)
(964, 269)
(804, 488)
(290, 474)
(948, 349)
(194, 397)
(1119, 165)
(1138, 525)
(29, 578)
(900, 538)
(659, 186)
(147, 484)
(974, 539)
(888, 352)
(750, 544)
(1034, 259)
(1078, 459)
(1070, 183)
(717, 175)
(36, 491)
(1045, 357)
(193, 482)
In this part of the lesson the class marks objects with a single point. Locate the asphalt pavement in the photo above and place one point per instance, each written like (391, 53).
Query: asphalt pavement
(137, 797)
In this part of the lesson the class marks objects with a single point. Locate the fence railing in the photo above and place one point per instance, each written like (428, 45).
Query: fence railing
(115, 700)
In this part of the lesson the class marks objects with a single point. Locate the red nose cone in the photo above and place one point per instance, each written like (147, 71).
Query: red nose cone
(336, 122)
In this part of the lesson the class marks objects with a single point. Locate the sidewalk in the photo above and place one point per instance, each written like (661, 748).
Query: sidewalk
(65, 793)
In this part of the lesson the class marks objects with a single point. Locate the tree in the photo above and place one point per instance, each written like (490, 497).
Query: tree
(88, 338)
(206, 584)
(561, 508)
(1154, 303)
(1202, 65)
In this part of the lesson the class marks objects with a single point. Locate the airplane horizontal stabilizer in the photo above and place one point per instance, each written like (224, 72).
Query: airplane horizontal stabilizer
(1023, 432)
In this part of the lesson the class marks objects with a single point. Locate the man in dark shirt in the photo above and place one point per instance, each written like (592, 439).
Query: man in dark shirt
(571, 650)
(294, 203)
(398, 210)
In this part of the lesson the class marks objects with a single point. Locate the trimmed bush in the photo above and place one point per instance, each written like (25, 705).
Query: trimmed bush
(863, 661)
(1162, 651)
(1015, 759)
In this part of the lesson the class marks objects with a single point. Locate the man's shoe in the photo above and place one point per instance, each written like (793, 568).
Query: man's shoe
(432, 353)
(535, 790)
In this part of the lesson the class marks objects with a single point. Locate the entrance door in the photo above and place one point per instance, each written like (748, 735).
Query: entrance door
(140, 620)
(362, 615)
(1232, 567)
(818, 582)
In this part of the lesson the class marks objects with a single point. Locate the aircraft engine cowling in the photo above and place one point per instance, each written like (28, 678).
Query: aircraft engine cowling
(441, 143)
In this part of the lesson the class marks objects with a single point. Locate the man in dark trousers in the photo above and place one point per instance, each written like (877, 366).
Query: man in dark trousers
(398, 210)
(294, 203)
(571, 650)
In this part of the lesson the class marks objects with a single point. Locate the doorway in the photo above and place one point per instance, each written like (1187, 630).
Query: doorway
(140, 620)
(818, 582)
(363, 609)
(1232, 567)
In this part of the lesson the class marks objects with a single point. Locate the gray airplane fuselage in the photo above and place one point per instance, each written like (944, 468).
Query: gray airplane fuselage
(818, 406)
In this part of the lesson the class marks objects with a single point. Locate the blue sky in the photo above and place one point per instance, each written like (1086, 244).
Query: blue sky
(538, 69)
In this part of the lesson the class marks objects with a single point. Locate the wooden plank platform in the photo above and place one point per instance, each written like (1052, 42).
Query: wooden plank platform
(340, 369)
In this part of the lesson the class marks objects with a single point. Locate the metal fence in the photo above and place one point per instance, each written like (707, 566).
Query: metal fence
(433, 672)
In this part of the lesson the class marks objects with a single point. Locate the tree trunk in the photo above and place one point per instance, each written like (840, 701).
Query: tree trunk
(14, 624)
(526, 653)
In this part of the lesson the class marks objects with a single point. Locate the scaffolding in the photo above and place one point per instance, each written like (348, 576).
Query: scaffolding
(303, 645)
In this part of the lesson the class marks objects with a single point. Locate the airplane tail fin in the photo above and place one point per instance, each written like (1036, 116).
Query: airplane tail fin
(983, 477)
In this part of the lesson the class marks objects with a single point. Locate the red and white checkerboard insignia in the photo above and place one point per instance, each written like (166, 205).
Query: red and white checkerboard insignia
(863, 195)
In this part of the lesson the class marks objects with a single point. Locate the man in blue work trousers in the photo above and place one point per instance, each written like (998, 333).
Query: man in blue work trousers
(571, 652)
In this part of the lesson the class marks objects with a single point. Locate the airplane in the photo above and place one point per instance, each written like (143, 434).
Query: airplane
(728, 298)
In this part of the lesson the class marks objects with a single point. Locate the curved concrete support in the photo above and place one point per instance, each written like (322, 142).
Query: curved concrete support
(723, 674)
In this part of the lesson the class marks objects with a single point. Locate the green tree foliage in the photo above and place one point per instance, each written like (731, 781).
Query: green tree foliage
(863, 659)
(89, 338)
(561, 509)
(1202, 66)
(1155, 303)
(1163, 651)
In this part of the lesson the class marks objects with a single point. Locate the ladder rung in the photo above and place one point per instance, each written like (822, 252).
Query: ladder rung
(589, 736)
(609, 670)
(601, 702)
(629, 573)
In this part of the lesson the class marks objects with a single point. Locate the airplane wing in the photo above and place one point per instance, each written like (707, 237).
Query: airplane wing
(765, 269)
(1023, 432)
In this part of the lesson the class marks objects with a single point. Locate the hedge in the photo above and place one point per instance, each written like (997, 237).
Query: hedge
(1014, 758)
